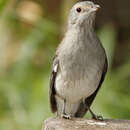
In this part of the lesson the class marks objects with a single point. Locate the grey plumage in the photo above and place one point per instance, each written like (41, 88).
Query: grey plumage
(79, 65)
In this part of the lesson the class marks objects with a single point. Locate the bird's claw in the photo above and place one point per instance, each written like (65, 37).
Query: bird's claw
(66, 116)
(99, 118)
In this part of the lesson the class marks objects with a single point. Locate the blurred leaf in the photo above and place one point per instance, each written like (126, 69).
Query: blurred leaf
(2, 4)
(107, 35)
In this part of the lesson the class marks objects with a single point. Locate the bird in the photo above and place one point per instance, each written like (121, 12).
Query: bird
(79, 65)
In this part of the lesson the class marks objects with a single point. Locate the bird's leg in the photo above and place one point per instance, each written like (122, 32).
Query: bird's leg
(64, 115)
(94, 116)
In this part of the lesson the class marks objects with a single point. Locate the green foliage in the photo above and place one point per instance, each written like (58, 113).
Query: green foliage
(2, 4)
(24, 86)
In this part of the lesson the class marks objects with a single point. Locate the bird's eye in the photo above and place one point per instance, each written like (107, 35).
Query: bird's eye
(78, 10)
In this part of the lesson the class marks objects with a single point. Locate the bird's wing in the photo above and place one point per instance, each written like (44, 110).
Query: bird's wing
(52, 84)
(82, 110)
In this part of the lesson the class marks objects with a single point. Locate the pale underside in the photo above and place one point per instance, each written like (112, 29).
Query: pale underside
(79, 73)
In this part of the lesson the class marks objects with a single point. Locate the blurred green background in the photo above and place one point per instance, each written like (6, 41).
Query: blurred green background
(30, 31)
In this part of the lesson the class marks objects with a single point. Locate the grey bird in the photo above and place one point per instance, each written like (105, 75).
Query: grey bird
(79, 65)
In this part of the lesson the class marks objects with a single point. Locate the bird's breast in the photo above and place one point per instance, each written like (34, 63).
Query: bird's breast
(80, 70)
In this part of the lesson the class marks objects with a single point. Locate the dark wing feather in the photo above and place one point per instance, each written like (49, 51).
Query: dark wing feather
(82, 110)
(52, 85)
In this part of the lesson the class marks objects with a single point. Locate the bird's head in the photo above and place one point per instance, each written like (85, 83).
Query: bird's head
(83, 13)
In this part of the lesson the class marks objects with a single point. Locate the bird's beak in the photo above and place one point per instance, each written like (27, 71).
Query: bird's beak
(97, 7)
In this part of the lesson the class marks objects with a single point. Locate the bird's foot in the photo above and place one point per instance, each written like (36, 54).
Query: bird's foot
(65, 116)
(99, 118)
(94, 116)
